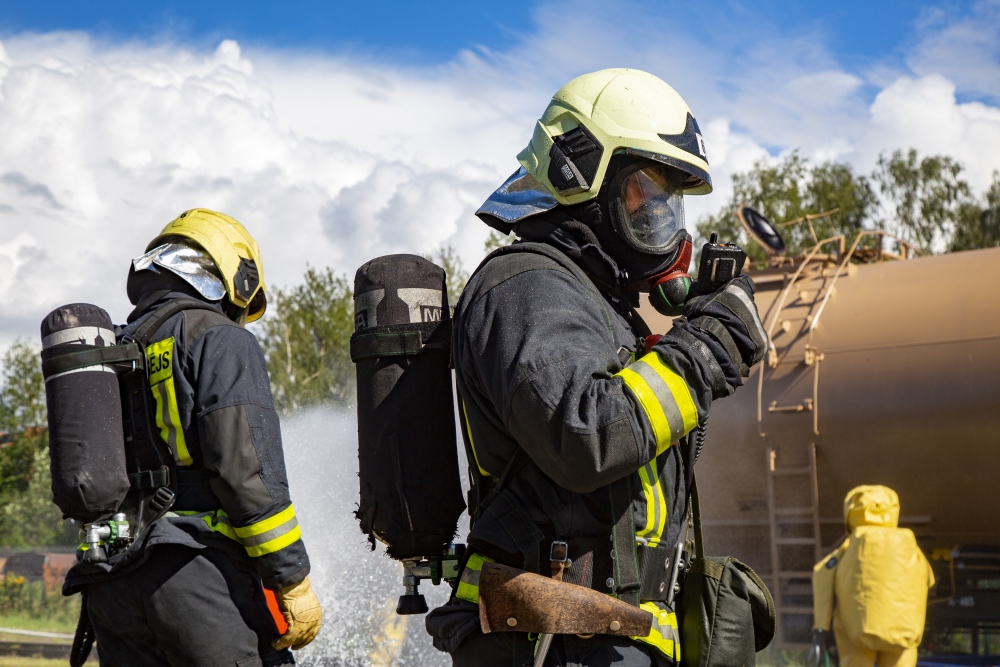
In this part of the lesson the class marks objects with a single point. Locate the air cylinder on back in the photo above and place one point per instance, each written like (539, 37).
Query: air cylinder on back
(86, 443)
(411, 494)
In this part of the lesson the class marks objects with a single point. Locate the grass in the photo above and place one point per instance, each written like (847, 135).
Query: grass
(28, 605)
(771, 657)
(31, 662)
(22, 621)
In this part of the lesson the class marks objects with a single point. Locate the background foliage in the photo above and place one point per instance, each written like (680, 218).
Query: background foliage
(305, 337)
(925, 201)
(28, 517)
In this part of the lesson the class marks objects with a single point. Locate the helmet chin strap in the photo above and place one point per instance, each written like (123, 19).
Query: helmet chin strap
(668, 290)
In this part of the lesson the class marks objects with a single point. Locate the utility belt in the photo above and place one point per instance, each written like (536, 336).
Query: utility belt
(591, 565)
(630, 571)
(510, 599)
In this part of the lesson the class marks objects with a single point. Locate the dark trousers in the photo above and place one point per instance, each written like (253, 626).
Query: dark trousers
(184, 608)
(512, 649)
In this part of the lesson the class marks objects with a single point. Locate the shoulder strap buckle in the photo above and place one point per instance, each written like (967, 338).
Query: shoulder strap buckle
(150, 479)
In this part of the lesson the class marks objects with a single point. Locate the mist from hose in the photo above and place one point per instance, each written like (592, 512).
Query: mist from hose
(357, 587)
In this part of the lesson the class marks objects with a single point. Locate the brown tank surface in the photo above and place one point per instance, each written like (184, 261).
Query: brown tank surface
(880, 373)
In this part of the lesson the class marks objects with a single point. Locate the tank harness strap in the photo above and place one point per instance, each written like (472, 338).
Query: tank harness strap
(654, 571)
(193, 477)
(154, 479)
(627, 582)
(159, 316)
(149, 479)
(57, 360)
(400, 343)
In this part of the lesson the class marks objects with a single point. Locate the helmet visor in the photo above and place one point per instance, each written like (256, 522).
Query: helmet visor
(651, 208)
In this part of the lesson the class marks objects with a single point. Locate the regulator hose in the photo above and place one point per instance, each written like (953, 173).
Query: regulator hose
(83, 640)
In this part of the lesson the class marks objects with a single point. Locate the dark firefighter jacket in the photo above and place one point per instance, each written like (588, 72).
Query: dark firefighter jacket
(215, 412)
(538, 368)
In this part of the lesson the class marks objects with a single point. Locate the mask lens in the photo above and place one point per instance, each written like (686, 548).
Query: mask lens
(653, 206)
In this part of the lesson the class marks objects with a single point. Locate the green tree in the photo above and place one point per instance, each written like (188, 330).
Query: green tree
(22, 416)
(306, 339)
(979, 227)
(497, 240)
(455, 274)
(28, 516)
(789, 190)
(930, 200)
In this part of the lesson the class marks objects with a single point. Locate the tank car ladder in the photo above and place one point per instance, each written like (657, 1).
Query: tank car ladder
(778, 517)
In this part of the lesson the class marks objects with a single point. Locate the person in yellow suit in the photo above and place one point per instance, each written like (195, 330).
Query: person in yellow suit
(872, 589)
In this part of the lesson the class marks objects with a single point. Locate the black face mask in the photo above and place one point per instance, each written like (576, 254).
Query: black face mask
(639, 265)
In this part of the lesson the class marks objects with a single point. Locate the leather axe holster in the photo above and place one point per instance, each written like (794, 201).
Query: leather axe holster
(512, 600)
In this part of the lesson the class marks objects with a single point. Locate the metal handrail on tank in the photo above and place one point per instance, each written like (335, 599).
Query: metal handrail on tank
(773, 360)
(847, 258)
(812, 355)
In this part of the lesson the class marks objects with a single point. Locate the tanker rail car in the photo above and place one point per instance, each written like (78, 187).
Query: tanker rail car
(882, 369)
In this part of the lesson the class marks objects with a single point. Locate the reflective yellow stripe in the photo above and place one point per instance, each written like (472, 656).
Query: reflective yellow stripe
(160, 362)
(472, 443)
(663, 634)
(261, 538)
(664, 397)
(277, 544)
(267, 524)
(648, 477)
(468, 583)
(217, 521)
(656, 505)
(272, 534)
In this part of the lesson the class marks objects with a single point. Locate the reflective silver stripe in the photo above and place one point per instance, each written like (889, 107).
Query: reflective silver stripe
(663, 395)
(742, 296)
(86, 335)
(470, 576)
(99, 368)
(269, 535)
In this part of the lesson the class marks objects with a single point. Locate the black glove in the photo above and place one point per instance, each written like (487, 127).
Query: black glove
(727, 324)
(818, 650)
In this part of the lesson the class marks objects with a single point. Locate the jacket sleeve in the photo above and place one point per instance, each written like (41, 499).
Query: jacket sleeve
(823, 583)
(543, 356)
(241, 445)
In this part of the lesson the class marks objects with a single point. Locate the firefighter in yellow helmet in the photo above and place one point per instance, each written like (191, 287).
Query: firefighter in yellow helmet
(195, 588)
(873, 589)
(574, 415)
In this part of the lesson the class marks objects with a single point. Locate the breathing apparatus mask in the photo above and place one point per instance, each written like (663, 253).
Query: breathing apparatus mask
(644, 202)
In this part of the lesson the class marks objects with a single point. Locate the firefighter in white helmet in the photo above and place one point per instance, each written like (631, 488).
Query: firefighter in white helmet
(562, 386)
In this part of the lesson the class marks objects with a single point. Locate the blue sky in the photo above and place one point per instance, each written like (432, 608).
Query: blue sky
(338, 133)
(856, 30)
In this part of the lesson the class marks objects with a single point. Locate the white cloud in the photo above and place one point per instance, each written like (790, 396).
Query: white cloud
(966, 50)
(331, 160)
(924, 114)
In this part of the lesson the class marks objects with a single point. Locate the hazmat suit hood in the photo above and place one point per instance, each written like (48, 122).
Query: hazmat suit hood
(871, 506)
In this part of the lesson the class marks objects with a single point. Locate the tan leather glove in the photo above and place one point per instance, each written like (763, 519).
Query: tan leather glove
(300, 607)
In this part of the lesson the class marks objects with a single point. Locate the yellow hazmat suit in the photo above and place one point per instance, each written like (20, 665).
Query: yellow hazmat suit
(874, 587)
